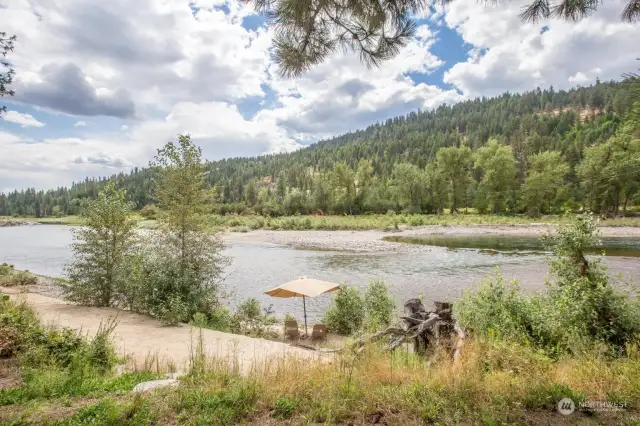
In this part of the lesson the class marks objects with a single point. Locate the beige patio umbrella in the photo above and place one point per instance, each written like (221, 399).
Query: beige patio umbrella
(303, 287)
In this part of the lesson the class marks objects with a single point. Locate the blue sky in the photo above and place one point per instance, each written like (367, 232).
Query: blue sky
(100, 85)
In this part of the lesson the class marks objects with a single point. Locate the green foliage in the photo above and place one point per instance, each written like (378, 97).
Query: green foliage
(173, 310)
(528, 124)
(6, 269)
(251, 319)
(379, 306)
(6, 78)
(611, 172)
(346, 314)
(285, 407)
(307, 35)
(454, 164)
(150, 212)
(9, 277)
(580, 309)
(495, 308)
(56, 362)
(177, 271)
(544, 182)
(97, 273)
(498, 168)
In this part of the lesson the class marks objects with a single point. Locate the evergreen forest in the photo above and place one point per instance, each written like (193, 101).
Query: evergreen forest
(539, 152)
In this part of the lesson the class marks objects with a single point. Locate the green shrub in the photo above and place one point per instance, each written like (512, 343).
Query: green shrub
(9, 277)
(173, 311)
(6, 269)
(495, 307)
(579, 311)
(379, 306)
(150, 212)
(220, 318)
(251, 319)
(346, 314)
(285, 407)
(36, 347)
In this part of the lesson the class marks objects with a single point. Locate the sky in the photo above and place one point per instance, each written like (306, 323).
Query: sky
(101, 85)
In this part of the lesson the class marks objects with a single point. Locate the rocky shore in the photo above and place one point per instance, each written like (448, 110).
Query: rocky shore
(372, 241)
(14, 222)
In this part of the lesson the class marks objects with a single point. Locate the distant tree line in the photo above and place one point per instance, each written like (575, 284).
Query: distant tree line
(539, 152)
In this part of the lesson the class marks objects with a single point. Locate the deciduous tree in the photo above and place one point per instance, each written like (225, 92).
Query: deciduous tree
(97, 272)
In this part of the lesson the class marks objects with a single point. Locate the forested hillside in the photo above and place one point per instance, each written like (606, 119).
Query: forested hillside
(543, 151)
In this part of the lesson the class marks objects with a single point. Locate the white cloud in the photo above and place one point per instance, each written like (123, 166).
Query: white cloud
(165, 67)
(519, 56)
(218, 127)
(25, 120)
(342, 94)
(158, 53)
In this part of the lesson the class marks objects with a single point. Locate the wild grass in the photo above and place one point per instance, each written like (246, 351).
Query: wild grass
(237, 223)
(495, 382)
(10, 277)
(56, 363)
(384, 221)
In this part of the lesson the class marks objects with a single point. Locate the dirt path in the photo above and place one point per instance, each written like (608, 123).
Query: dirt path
(144, 340)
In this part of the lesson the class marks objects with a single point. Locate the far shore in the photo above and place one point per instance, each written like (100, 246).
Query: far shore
(361, 239)
(372, 240)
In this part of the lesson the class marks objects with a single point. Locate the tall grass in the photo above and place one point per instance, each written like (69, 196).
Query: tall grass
(495, 382)
(361, 222)
(383, 221)
(55, 362)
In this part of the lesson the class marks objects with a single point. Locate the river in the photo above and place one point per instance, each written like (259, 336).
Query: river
(436, 273)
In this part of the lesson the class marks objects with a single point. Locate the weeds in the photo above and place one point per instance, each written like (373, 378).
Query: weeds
(58, 362)
(9, 277)
(381, 221)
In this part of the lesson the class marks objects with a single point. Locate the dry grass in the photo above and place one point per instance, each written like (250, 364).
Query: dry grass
(495, 383)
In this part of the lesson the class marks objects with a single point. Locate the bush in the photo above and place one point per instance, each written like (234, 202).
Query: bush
(251, 319)
(219, 318)
(150, 212)
(379, 306)
(496, 307)
(22, 334)
(173, 310)
(347, 313)
(9, 277)
(6, 269)
(579, 311)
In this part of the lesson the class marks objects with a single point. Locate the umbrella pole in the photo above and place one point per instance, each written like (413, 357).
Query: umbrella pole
(304, 305)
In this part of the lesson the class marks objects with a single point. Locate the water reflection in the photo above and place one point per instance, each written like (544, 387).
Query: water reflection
(517, 244)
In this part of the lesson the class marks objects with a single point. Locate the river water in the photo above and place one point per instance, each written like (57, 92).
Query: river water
(436, 273)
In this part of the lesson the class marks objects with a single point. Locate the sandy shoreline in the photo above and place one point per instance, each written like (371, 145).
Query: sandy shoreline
(372, 240)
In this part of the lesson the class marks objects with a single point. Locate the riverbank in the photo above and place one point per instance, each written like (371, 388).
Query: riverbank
(141, 339)
(387, 222)
(493, 382)
(372, 240)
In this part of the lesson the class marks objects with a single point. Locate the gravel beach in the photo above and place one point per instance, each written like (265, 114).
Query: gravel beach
(372, 241)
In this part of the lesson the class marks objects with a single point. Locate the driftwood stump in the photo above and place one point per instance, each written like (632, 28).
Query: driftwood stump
(423, 328)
